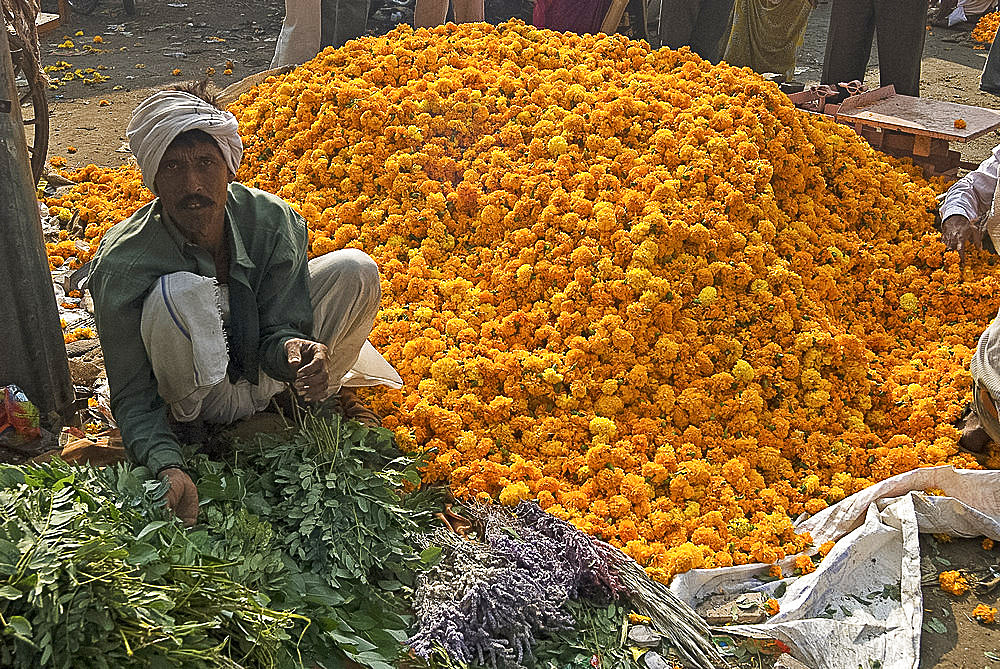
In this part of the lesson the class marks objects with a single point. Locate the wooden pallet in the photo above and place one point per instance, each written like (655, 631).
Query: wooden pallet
(905, 126)
(46, 22)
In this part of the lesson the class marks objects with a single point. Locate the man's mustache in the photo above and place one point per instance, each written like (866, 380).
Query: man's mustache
(189, 200)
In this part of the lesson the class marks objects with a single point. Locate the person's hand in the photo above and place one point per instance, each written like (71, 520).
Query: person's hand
(182, 495)
(959, 234)
(309, 360)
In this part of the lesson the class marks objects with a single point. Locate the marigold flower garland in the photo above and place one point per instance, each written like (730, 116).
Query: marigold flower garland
(644, 290)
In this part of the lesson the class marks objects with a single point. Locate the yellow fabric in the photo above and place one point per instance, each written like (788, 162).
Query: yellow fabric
(766, 33)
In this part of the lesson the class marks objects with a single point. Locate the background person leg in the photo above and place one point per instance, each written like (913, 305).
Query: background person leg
(849, 40)
(429, 13)
(343, 20)
(990, 79)
(901, 27)
(711, 29)
(677, 20)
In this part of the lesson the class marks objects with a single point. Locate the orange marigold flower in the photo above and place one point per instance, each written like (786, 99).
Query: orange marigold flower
(953, 582)
(984, 614)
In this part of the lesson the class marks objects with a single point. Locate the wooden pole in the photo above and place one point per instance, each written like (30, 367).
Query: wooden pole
(32, 350)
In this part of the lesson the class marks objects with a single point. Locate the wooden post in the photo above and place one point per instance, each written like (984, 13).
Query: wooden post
(32, 350)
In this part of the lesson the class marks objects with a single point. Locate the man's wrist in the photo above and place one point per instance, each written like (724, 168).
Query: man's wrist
(166, 458)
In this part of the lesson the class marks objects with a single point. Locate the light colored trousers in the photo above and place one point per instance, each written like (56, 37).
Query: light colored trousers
(182, 330)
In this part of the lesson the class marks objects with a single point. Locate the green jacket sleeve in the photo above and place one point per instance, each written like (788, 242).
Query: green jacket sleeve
(283, 304)
(137, 407)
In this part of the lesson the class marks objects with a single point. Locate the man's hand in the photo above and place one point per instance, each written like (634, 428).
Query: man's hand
(182, 495)
(310, 362)
(959, 234)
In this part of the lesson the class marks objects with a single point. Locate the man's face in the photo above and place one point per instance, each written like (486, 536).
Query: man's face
(192, 183)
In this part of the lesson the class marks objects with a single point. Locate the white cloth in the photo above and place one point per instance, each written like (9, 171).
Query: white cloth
(972, 195)
(301, 33)
(977, 7)
(986, 359)
(162, 116)
(183, 336)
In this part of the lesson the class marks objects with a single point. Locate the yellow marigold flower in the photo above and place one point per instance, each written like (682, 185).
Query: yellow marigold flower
(743, 372)
(557, 145)
(771, 606)
(551, 376)
(514, 493)
(985, 614)
(908, 302)
(804, 565)
(708, 295)
(602, 427)
(953, 582)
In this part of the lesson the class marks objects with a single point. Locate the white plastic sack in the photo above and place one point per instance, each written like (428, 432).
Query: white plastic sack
(967, 7)
(301, 33)
(863, 603)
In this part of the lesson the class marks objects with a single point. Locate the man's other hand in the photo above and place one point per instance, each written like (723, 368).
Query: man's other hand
(182, 495)
(309, 360)
(959, 234)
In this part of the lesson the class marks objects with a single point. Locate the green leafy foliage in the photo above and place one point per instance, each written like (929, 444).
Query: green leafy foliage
(93, 575)
(304, 555)
(597, 633)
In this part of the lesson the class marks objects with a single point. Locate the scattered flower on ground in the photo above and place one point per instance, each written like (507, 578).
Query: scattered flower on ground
(953, 582)
(984, 614)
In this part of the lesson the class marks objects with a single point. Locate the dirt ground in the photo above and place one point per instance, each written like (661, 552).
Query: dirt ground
(139, 53)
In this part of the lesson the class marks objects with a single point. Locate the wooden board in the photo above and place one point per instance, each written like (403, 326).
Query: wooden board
(45, 22)
(921, 116)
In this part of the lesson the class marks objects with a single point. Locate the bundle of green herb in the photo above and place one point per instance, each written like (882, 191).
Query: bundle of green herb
(306, 554)
(333, 496)
(92, 576)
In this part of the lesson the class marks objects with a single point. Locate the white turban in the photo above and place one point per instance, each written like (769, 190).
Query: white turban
(164, 115)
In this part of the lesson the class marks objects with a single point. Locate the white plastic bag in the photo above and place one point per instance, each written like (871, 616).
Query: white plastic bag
(863, 604)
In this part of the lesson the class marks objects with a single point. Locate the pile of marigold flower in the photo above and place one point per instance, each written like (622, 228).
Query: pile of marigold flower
(643, 289)
(986, 28)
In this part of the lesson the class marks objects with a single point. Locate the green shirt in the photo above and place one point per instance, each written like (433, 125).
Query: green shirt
(268, 304)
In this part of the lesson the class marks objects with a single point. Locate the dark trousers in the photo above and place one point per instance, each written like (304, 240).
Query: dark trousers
(990, 81)
(901, 28)
(700, 24)
(342, 20)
